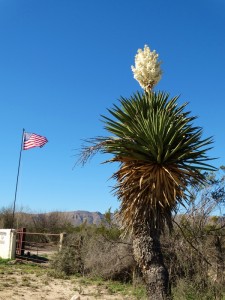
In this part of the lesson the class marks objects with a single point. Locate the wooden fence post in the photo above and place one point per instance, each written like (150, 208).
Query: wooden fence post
(61, 239)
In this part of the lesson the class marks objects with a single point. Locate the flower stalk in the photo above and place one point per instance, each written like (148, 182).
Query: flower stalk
(147, 69)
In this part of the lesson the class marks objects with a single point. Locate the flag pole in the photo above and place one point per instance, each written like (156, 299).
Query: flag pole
(17, 178)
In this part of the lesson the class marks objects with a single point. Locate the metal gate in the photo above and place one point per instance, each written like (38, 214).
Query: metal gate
(20, 241)
(37, 247)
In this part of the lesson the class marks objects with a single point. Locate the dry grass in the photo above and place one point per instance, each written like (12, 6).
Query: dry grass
(25, 281)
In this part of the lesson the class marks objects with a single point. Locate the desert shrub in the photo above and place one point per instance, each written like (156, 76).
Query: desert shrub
(69, 259)
(93, 251)
(20, 219)
(195, 260)
(109, 259)
(52, 222)
(6, 217)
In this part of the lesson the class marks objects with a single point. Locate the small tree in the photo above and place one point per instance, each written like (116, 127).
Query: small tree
(160, 153)
(6, 217)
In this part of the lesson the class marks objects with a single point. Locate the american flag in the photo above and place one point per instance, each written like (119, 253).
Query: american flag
(32, 140)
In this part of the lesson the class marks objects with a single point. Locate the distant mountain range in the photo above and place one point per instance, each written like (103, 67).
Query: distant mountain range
(79, 217)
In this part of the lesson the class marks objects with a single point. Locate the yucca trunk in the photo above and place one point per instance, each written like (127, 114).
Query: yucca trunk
(148, 255)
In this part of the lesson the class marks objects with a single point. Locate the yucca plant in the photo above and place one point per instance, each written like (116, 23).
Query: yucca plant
(160, 154)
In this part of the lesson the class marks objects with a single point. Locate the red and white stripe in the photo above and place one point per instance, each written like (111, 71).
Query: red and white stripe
(32, 140)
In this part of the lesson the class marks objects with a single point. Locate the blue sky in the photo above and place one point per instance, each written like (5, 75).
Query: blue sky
(63, 63)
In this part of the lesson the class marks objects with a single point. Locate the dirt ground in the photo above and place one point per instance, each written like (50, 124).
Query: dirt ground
(20, 282)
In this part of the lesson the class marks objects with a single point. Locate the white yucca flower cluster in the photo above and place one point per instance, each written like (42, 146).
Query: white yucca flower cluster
(147, 68)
